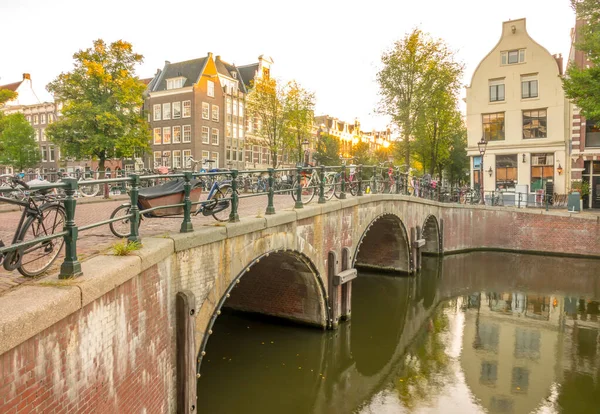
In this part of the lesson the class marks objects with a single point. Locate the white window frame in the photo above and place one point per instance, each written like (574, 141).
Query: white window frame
(177, 107)
(521, 56)
(43, 134)
(164, 135)
(186, 111)
(186, 129)
(176, 134)
(51, 154)
(44, 154)
(205, 135)
(185, 158)
(166, 111)
(157, 156)
(205, 110)
(214, 133)
(210, 88)
(166, 155)
(42, 118)
(215, 156)
(36, 120)
(205, 156)
(157, 133)
(156, 110)
(177, 159)
(215, 113)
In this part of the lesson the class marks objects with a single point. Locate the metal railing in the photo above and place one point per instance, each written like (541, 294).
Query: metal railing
(347, 179)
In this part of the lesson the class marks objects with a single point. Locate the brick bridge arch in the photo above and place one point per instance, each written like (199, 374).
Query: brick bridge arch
(384, 245)
(282, 283)
(432, 235)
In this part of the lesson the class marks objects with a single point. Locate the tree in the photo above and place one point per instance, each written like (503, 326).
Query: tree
(328, 150)
(17, 145)
(582, 85)
(411, 70)
(101, 117)
(299, 109)
(362, 153)
(267, 103)
(457, 166)
(7, 95)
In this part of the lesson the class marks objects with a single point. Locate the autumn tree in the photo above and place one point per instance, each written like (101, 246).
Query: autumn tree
(456, 168)
(299, 111)
(412, 69)
(328, 150)
(102, 101)
(7, 95)
(582, 85)
(17, 145)
(362, 153)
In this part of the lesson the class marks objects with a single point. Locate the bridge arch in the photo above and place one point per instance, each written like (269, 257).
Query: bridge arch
(431, 235)
(384, 245)
(282, 283)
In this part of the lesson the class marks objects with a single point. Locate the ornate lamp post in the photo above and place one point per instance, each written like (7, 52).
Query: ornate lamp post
(482, 145)
(305, 150)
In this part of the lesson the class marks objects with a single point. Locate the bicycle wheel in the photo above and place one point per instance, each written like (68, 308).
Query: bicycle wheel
(88, 190)
(329, 189)
(308, 192)
(39, 257)
(352, 185)
(121, 228)
(222, 207)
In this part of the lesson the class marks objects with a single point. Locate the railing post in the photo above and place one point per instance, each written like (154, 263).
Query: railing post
(70, 266)
(134, 222)
(234, 217)
(397, 180)
(322, 186)
(374, 186)
(299, 188)
(186, 225)
(359, 171)
(343, 183)
(270, 206)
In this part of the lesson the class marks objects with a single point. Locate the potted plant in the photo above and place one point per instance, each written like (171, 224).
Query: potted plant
(583, 188)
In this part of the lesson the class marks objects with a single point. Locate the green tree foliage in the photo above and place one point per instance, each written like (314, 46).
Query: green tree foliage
(17, 145)
(413, 69)
(582, 85)
(328, 150)
(457, 166)
(102, 97)
(362, 154)
(6, 95)
(300, 105)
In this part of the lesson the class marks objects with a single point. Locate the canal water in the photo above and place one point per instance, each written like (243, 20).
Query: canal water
(472, 333)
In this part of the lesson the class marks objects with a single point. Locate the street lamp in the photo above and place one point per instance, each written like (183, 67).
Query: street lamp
(482, 145)
(305, 145)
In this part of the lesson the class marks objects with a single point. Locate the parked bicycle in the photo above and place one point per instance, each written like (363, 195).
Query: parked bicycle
(37, 220)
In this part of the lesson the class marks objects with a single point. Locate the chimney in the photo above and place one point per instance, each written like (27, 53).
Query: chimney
(218, 57)
(167, 62)
(26, 76)
(210, 55)
(559, 62)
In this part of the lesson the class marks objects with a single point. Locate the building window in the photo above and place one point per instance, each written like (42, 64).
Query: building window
(529, 89)
(241, 111)
(493, 126)
(156, 112)
(51, 154)
(166, 111)
(215, 113)
(534, 124)
(497, 92)
(487, 336)
(42, 118)
(513, 56)
(542, 170)
(228, 130)
(506, 172)
(520, 380)
(166, 158)
(592, 133)
(28, 118)
(205, 157)
(187, 154)
(157, 159)
(489, 373)
(176, 159)
(176, 134)
(214, 137)
(187, 109)
(36, 120)
(166, 135)
(50, 118)
(205, 110)
(210, 88)
(175, 83)
(43, 134)
(176, 110)
(187, 133)
(215, 157)
(266, 73)
(205, 135)
(44, 154)
(157, 136)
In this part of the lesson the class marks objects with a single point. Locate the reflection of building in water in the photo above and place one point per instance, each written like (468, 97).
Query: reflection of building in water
(510, 344)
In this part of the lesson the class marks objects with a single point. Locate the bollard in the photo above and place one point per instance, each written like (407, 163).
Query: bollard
(186, 225)
(359, 172)
(270, 206)
(343, 183)
(134, 221)
(70, 267)
(234, 216)
(322, 186)
(298, 188)
(374, 178)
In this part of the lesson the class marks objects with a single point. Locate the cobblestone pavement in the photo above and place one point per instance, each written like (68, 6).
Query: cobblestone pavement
(100, 239)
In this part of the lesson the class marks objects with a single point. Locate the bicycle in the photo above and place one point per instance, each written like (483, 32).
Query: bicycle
(36, 221)
(86, 190)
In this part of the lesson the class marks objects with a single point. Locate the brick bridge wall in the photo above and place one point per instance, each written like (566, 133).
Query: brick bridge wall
(106, 340)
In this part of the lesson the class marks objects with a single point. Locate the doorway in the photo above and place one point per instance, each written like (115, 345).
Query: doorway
(596, 192)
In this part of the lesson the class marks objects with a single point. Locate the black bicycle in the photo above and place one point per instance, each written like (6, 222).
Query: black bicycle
(37, 220)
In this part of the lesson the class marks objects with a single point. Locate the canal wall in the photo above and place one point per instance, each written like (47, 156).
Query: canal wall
(106, 341)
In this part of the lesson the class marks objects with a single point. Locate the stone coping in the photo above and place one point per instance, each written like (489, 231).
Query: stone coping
(31, 308)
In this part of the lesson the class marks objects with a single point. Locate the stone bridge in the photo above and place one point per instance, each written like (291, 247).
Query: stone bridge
(108, 339)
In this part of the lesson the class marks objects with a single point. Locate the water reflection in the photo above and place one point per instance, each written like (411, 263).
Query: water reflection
(483, 332)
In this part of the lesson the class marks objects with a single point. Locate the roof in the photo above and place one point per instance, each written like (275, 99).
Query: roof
(248, 72)
(227, 69)
(12, 86)
(146, 81)
(191, 70)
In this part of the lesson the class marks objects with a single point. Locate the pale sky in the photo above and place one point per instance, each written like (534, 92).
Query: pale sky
(332, 47)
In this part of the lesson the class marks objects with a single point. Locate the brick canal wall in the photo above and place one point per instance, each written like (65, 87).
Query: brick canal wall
(105, 342)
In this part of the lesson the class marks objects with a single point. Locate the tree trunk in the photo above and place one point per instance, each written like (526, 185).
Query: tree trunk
(407, 149)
